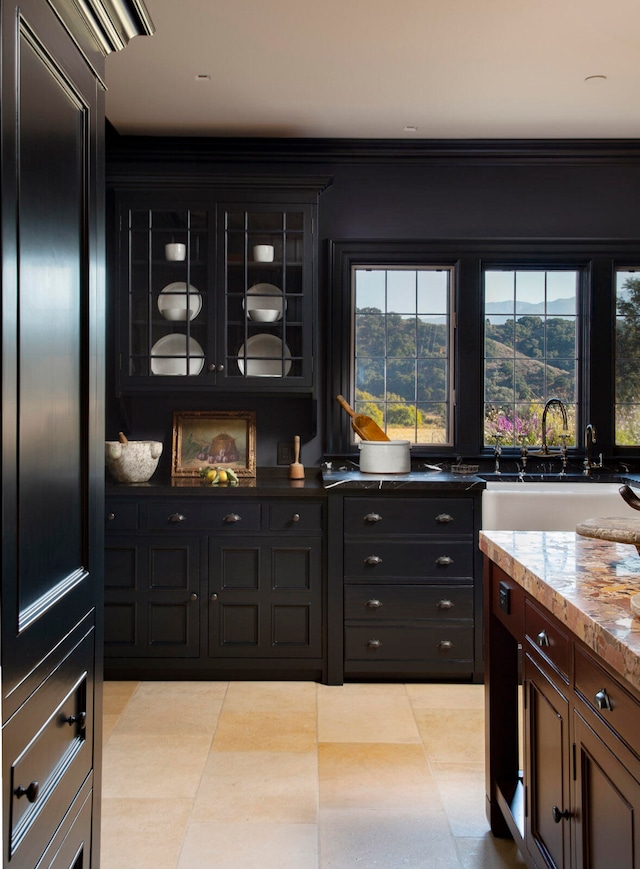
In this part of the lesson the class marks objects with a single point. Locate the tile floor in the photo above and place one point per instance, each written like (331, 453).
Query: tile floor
(296, 775)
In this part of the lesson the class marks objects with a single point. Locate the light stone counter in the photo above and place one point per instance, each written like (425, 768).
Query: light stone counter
(586, 583)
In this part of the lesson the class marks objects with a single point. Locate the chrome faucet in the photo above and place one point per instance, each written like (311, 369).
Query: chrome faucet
(544, 452)
(589, 440)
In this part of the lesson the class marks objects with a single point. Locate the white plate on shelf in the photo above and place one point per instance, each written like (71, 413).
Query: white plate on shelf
(172, 302)
(266, 352)
(264, 303)
(169, 356)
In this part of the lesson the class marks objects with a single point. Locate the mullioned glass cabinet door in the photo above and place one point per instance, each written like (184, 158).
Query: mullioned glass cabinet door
(214, 296)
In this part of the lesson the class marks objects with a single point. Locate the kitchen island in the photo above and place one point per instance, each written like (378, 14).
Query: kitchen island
(562, 677)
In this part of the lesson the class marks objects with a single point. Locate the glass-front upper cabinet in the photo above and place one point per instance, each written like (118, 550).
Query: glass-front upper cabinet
(214, 293)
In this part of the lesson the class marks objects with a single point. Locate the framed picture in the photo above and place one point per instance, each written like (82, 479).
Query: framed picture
(223, 440)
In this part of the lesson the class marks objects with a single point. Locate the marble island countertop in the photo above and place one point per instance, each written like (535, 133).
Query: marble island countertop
(586, 583)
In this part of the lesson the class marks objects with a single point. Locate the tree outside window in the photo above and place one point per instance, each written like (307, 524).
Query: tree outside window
(627, 358)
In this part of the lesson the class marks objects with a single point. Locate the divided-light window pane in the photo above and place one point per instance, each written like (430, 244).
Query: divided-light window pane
(402, 374)
(627, 358)
(531, 353)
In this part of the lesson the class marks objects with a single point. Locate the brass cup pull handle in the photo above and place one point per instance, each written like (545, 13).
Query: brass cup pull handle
(445, 645)
(374, 644)
(603, 701)
(557, 815)
(80, 719)
(30, 792)
(176, 517)
(445, 604)
(372, 517)
(373, 604)
(543, 639)
(444, 518)
(373, 559)
(444, 561)
(231, 517)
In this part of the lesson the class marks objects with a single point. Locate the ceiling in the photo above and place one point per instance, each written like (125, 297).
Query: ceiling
(405, 69)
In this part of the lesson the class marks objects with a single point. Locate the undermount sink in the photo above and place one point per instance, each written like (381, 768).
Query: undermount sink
(557, 504)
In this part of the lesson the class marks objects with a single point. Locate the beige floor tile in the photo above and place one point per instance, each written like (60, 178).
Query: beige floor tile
(378, 776)
(378, 688)
(116, 695)
(266, 731)
(488, 853)
(154, 765)
(365, 718)
(271, 697)
(108, 723)
(258, 786)
(250, 846)
(386, 839)
(452, 735)
(438, 696)
(170, 708)
(462, 790)
(145, 833)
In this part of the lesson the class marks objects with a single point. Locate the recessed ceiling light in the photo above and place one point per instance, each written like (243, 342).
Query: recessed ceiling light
(203, 76)
(410, 129)
(596, 78)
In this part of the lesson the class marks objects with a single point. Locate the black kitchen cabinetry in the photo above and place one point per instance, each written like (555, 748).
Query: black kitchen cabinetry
(214, 587)
(215, 287)
(411, 604)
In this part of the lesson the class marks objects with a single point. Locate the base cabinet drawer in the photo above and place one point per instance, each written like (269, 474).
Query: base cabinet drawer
(447, 644)
(439, 516)
(392, 601)
(438, 560)
(48, 754)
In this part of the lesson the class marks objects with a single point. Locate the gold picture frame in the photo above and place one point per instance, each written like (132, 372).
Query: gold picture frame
(221, 439)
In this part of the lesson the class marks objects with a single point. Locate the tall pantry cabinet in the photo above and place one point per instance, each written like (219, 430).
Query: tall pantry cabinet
(52, 225)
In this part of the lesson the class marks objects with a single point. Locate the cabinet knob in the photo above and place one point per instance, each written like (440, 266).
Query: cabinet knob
(445, 645)
(211, 366)
(445, 604)
(373, 604)
(30, 792)
(231, 517)
(295, 517)
(193, 596)
(557, 815)
(175, 518)
(543, 639)
(111, 516)
(373, 559)
(444, 518)
(220, 366)
(603, 701)
(374, 644)
(444, 561)
(80, 719)
(372, 517)
(214, 597)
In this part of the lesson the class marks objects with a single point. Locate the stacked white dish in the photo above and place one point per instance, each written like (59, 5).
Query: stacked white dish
(264, 303)
(265, 356)
(176, 304)
(169, 356)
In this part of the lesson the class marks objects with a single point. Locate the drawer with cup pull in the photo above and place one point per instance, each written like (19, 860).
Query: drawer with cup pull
(448, 644)
(442, 517)
(547, 637)
(608, 699)
(386, 558)
(393, 601)
(191, 515)
(295, 516)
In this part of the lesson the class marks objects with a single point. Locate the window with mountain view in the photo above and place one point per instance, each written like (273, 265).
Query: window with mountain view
(627, 355)
(531, 353)
(402, 350)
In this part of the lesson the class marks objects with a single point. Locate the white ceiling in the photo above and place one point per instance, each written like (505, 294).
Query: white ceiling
(454, 69)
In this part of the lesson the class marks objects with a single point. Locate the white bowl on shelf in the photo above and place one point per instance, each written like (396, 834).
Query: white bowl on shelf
(172, 302)
(264, 303)
(169, 356)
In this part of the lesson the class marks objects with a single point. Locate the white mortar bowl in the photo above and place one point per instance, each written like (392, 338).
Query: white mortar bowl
(133, 462)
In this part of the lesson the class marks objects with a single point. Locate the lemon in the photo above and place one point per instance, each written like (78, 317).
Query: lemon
(223, 476)
(211, 475)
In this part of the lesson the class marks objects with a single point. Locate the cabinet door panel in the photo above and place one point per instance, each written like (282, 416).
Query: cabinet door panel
(547, 767)
(607, 803)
